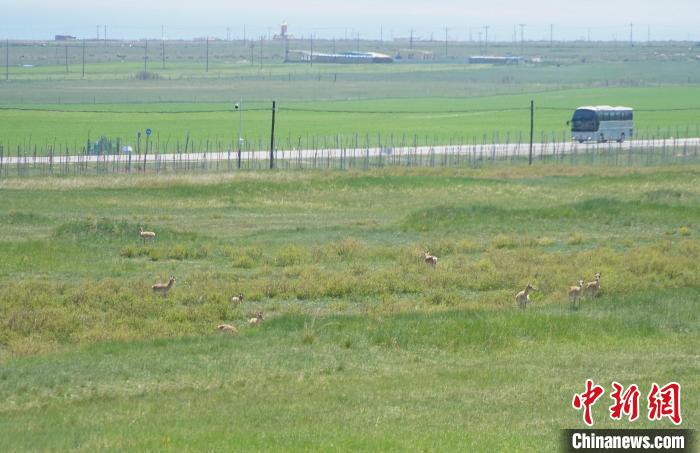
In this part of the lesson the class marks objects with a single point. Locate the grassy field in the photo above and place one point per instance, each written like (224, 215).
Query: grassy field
(364, 347)
(437, 102)
(661, 112)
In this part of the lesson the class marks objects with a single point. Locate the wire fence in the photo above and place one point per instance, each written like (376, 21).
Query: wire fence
(643, 151)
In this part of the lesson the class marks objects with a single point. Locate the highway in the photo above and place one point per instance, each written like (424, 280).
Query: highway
(679, 146)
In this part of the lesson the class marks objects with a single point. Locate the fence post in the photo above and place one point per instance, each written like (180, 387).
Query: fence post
(272, 138)
(532, 126)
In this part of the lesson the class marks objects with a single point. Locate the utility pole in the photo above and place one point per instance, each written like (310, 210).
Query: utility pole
(446, 42)
(410, 40)
(551, 35)
(240, 131)
(206, 64)
(522, 39)
(311, 55)
(162, 43)
(83, 76)
(486, 41)
(261, 51)
(105, 35)
(631, 29)
(145, 58)
(532, 127)
(272, 138)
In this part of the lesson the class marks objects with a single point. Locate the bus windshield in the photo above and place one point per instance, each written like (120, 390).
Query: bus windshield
(584, 121)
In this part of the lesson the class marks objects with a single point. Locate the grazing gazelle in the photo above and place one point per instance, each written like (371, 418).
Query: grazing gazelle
(523, 297)
(257, 320)
(237, 300)
(593, 288)
(575, 294)
(430, 260)
(146, 235)
(163, 288)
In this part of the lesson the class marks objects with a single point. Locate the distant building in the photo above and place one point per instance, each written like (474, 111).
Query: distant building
(65, 38)
(494, 60)
(414, 54)
(342, 57)
(284, 35)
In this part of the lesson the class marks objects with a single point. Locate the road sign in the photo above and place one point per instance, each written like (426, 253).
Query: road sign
(148, 131)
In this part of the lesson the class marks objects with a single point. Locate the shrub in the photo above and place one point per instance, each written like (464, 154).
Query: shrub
(147, 75)
(290, 255)
(442, 296)
(575, 239)
(503, 241)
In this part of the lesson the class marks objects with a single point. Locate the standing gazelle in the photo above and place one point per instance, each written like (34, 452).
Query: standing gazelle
(430, 260)
(146, 235)
(163, 288)
(593, 288)
(257, 320)
(523, 297)
(575, 294)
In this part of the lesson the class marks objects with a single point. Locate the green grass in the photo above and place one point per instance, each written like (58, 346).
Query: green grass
(438, 102)
(364, 347)
(397, 122)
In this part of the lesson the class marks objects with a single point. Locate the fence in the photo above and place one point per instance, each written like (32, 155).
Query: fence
(641, 152)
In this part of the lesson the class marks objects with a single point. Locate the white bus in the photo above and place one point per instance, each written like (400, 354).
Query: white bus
(601, 123)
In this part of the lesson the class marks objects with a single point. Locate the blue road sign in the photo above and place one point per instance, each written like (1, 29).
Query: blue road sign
(148, 131)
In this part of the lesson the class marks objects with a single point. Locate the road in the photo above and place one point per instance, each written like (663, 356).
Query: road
(682, 145)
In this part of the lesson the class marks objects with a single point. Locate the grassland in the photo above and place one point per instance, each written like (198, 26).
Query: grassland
(436, 102)
(662, 112)
(363, 347)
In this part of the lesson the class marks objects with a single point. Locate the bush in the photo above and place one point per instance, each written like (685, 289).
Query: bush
(147, 75)
(290, 255)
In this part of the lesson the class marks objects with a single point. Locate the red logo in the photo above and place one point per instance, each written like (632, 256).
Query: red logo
(587, 399)
(665, 402)
(626, 402)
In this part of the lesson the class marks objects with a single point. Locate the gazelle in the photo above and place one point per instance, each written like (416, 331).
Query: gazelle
(430, 260)
(523, 297)
(257, 320)
(575, 294)
(237, 300)
(593, 288)
(163, 288)
(227, 328)
(146, 235)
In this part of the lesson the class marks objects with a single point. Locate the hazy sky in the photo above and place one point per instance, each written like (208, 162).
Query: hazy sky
(603, 19)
